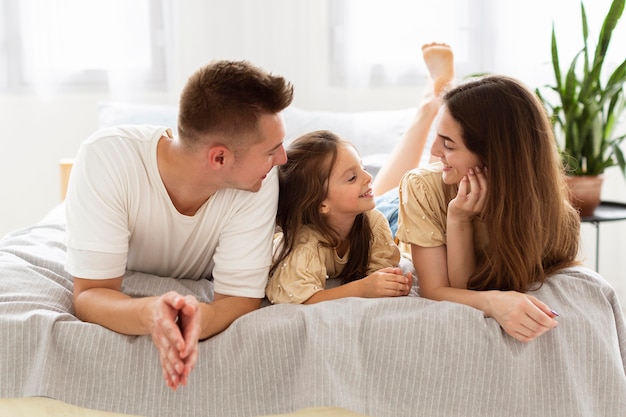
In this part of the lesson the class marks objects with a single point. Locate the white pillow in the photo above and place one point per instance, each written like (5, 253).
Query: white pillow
(374, 133)
(114, 113)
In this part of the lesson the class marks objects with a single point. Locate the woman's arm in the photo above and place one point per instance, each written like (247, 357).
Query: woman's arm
(460, 256)
(522, 316)
(468, 203)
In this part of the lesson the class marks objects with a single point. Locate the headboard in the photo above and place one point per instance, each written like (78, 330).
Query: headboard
(65, 166)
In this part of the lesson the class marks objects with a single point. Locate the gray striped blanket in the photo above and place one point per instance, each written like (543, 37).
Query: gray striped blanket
(384, 357)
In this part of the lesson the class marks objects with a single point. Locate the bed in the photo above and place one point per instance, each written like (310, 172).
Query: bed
(383, 357)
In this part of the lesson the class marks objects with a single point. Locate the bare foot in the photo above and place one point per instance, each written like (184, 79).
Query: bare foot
(439, 60)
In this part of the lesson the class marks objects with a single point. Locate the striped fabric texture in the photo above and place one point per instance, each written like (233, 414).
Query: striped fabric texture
(383, 357)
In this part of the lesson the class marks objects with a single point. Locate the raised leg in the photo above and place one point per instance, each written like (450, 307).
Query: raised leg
(408, 151)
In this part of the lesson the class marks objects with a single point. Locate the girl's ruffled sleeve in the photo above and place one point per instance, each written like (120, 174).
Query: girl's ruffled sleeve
(301, 274)
(383, 252)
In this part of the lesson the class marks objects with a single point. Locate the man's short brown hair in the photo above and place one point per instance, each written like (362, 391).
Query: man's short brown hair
(227, 98)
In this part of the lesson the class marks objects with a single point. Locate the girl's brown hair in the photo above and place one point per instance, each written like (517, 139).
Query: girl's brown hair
(303, 186)
(533, 229)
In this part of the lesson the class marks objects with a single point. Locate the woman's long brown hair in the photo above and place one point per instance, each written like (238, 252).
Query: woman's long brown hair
(303, 186)
(533, 229)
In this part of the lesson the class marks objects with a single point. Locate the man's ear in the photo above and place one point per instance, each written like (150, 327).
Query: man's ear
(218, 155)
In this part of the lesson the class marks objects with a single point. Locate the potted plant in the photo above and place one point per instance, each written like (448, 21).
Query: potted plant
(586, 110)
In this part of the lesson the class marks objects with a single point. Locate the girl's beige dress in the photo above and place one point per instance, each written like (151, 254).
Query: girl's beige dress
(305, 271)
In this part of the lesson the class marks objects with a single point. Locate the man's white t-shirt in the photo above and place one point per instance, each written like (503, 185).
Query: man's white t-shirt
(120, 217)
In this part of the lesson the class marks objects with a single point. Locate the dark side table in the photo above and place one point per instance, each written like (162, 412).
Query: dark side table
(607, 211)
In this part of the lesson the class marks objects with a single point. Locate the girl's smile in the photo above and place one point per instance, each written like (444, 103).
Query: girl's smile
(349, 187)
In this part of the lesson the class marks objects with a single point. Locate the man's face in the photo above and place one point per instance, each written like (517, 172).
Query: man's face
(254, 163)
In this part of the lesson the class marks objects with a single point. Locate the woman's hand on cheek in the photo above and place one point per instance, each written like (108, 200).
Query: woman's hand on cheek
(471, 196)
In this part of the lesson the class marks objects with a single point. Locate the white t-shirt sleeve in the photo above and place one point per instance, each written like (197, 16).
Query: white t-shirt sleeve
(96, 224)
(98, 229)
(244, 253)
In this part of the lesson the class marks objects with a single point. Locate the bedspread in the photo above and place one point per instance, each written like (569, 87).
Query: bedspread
(380, 357)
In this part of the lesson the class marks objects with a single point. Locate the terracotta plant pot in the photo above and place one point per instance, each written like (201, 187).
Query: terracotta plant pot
(585, 192)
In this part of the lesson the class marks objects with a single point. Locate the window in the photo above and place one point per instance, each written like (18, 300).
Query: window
(70, 44)
(4, 65)
(377, 43)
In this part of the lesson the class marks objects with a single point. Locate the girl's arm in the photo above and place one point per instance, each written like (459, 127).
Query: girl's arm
(522, 316)
(384, 279)
(387, 282)
(301, 279)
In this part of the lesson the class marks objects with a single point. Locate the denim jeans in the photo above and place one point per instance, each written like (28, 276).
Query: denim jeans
(388, 204)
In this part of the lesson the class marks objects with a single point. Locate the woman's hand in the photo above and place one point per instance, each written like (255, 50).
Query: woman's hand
(471, 196)
(522, 316)
(386, 282)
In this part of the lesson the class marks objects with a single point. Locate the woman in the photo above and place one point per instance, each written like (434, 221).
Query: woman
(492, 220)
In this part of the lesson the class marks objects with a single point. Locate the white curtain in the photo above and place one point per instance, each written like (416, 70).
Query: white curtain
(376, 42)
(87, 43)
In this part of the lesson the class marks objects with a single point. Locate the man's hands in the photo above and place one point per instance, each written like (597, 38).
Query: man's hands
(176, 323)
(175, 330)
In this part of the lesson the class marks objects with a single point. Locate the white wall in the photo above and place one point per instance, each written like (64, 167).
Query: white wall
(285, 36)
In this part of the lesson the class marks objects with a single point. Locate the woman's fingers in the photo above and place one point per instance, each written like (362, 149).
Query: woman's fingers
(523, 316)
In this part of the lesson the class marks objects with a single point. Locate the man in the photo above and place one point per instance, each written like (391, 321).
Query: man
(195, 206)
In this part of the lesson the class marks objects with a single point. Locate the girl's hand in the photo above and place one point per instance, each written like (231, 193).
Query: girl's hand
(387, 282)
(522, 316)
(471, 197)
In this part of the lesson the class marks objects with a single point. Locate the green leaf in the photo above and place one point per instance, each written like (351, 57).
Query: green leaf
(584, 113)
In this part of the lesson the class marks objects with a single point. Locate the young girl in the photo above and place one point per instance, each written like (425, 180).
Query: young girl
(492, 220)
(325, 209)
(330, 229)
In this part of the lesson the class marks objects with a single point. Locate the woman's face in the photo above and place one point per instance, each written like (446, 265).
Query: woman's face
(450, 149)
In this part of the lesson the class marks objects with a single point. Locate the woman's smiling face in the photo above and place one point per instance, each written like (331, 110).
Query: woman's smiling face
(450, 148)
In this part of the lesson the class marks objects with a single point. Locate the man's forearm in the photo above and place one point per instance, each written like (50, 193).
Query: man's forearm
(113, 310)
(218, 315)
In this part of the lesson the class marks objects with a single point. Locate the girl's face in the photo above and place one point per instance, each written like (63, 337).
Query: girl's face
(349, 186)
(450, 149)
